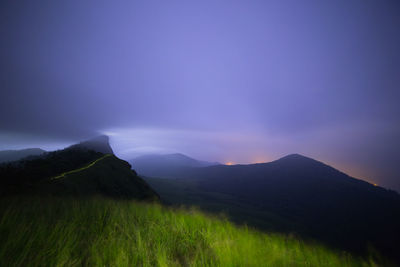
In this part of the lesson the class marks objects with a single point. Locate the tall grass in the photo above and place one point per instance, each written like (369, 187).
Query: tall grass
(105, 232)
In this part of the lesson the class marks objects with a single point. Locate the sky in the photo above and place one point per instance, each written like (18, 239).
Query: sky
(229, 81)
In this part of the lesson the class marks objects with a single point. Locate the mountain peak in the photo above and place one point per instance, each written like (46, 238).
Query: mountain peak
(177, 156)
(295, 156)
(298, 160)
(99, 144)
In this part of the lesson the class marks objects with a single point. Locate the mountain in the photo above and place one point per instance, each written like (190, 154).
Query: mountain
(13, 155)
(294, 194)
(78, 170)
(107, 176)
(167, 166)
(98, 144)
(65, 208)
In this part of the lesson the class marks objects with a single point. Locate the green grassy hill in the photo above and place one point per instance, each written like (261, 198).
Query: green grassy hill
(55, 231)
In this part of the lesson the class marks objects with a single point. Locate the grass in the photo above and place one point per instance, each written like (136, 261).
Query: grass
(106, 232)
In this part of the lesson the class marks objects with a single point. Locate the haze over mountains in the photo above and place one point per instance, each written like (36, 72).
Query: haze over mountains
(12, 155)
(167, 165)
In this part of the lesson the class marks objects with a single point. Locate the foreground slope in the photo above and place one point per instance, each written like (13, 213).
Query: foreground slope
(104, 232)
(295, 194)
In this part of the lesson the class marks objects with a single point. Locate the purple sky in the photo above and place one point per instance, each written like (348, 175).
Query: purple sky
(242, 81)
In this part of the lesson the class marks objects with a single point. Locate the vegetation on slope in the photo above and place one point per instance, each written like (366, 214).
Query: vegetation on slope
(21, 175)
(295, 194)
(64, 174)
(74, 171)
(107, 176)
(104, 232)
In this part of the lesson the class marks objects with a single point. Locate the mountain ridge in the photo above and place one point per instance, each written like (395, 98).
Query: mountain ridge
(18, 154)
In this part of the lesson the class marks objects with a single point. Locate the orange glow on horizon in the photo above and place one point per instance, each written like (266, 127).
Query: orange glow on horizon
(261, 159)
(229, 163)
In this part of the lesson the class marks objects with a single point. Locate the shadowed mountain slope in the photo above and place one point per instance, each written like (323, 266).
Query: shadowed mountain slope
(107, 175)
(294, 194)
(76, 170)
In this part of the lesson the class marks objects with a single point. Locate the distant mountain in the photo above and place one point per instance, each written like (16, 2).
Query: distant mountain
(294, 194)
(167, 166)
(78, 170)
(13, 155)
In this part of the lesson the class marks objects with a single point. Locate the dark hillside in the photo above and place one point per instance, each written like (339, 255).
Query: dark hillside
(22, 175)
(76, 170)
(107, 176)
(295, 194)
